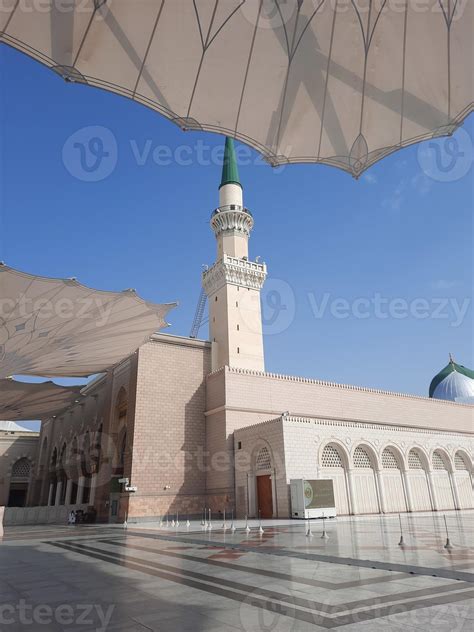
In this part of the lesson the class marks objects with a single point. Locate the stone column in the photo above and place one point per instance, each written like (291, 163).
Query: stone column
(350, 484)
(381, 486)
(59, 489)
(67, 500)
(407, 485)
(50, 494)
(93, 486)
(80, 490)
(454, 486)
(434, 495)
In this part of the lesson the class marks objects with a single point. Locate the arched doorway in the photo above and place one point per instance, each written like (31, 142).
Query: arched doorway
(442, 480)
(19, 482)
(365, 488)
(419, 484)
(333, 465)
(263, 471)
(395, 500)
(462, 473)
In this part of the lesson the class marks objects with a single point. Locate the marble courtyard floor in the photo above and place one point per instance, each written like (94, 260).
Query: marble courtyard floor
(179, 579)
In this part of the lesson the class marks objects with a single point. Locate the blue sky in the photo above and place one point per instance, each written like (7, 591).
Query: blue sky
(370, 281)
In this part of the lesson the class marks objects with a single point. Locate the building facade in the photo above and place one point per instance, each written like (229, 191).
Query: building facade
(185, 424)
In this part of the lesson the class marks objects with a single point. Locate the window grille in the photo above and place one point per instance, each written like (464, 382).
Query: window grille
(438, 461)
(389, 460)
(459, 462)
(331, 457)
(414, 461)
(21, 469)
(361, 458)
(264, 461)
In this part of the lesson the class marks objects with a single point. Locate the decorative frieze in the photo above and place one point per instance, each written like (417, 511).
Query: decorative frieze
(234, 271)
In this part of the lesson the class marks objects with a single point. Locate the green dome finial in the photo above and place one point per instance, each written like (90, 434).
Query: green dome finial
(230, 172)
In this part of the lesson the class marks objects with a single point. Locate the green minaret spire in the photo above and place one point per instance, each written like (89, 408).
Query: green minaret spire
(230, 172)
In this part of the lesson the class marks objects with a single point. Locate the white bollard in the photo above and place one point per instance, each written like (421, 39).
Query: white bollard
(209, 524)
(324, 535)
(260, 529)
(309, 533)
(448, 544)
(402, 541)
(247, 528)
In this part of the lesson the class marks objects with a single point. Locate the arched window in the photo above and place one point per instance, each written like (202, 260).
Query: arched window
(20, 478)
(361, 458)
(263, 460)
(331, 457)
(21, 469)
(460, 462)
(438, 461)
(123, 450)
(414, 460)
(389, 460)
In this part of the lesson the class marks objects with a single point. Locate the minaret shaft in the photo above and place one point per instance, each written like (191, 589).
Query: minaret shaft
(233, 283)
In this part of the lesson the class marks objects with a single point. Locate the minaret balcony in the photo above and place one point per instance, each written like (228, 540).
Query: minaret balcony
(234, 271)
(232, 217)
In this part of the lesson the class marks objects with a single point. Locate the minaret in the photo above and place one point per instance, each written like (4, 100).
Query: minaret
(233, 283)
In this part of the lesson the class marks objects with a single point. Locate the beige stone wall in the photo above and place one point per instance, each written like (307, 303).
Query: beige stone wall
(297, 444)
(169, 464)
(14, 446)
(258, 393)
(239, 399)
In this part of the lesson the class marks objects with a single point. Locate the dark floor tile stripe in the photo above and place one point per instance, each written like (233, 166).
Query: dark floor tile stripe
(331, 559)
(292, 600)
(261, 571)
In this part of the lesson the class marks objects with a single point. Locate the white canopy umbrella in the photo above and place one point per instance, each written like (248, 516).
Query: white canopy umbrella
(340, 82)
(24, 400)
(59, 327)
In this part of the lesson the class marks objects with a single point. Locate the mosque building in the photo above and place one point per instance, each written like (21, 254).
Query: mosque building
(185, 423)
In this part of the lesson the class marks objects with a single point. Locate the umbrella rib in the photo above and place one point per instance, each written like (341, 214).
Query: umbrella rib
(306, 26)
(323, 112)
(404, 61)
(145, 57)
(199, 23)
(204, 50)
(229, 17)
(86, 33)
(248, 67)
(366, 57)
(10, 17)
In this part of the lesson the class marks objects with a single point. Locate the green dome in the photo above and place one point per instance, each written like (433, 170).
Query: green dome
(444, 373)
(230, 172)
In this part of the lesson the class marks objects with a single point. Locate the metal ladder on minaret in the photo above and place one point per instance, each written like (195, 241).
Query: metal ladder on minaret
(198, 316)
